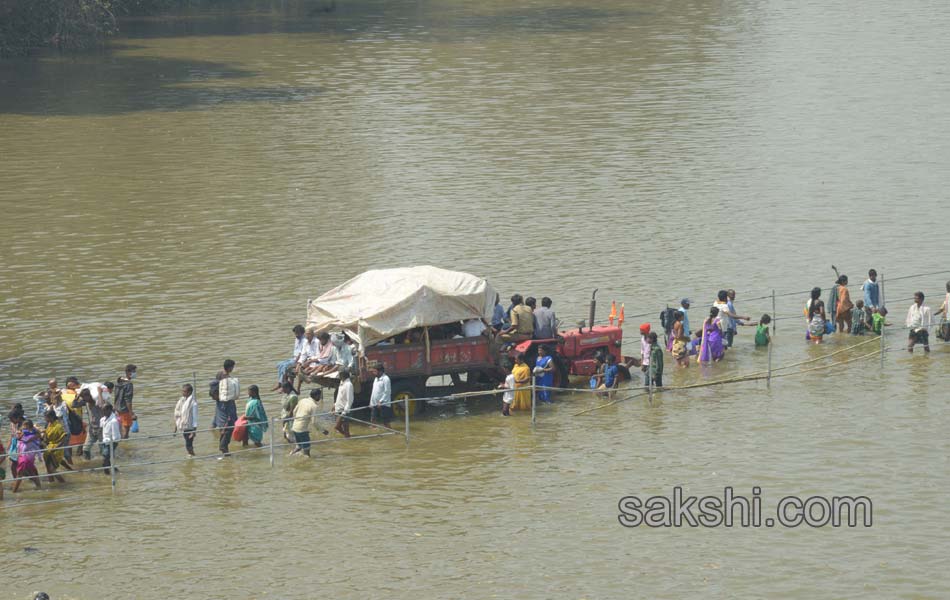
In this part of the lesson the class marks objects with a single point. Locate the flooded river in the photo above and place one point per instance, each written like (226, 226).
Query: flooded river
(176, 199)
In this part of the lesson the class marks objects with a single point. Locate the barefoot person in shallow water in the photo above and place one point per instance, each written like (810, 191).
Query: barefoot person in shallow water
(256, 417)
(815, 316)
(344, 402)
(186, 417)
(711, 348)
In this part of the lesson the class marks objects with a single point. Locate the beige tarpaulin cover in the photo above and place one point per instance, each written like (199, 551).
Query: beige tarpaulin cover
(382, 303)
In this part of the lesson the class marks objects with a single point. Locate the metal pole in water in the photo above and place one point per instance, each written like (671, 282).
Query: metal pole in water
(405, 409)
(650, 379)
(768, 381)
(883, 322)
(112, 452)
(273, 424)
(774, 320)
(533, 401)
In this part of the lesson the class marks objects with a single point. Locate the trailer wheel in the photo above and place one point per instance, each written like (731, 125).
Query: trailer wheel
(405, 390)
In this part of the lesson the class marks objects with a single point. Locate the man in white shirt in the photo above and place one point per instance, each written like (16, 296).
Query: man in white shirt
(380, 399)
(101, 395)
(225, 409)
(286, 367)
(343, 404)
(919, 320)
(111, 434)
(473, 328)
(309, 350)
(186, 417)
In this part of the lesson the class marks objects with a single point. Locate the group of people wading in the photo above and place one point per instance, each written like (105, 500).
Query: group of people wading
(86, 416)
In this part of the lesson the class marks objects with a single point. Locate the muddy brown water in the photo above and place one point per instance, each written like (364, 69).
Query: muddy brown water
(176, 200)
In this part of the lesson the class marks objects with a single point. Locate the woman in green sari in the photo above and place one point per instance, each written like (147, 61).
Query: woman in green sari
(256, 417)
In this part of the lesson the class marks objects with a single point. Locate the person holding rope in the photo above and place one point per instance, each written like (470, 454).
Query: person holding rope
(305, 416)
(919, 320)
(186, 417)
(111, 434)
(380, 399)
(225, 409)
(344, 403)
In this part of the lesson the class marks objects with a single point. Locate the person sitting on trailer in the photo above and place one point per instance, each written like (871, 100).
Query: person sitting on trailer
(473, 328)
(522, 322)
(499, 318)
(322, 359)
(309, 349)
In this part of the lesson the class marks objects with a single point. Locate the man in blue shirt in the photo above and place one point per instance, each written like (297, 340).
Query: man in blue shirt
(872, 291)
(498, 317)
(684, 308)
(611, 380)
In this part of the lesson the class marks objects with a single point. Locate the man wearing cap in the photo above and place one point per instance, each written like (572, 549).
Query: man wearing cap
(684, 308)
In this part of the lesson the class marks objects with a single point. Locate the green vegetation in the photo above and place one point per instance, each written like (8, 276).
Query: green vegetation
(68, 24)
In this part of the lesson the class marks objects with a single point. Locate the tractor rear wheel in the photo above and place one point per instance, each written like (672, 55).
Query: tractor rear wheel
(406, 390)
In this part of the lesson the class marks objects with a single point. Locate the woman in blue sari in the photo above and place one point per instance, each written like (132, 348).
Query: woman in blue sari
(256, 417)
(544, 373)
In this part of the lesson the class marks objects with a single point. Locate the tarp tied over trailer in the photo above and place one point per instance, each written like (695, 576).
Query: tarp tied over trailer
(382, 303)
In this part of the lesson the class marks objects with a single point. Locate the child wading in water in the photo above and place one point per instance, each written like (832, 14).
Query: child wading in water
(879, 320)
(762, 337)
(509, 396)
(859, 319)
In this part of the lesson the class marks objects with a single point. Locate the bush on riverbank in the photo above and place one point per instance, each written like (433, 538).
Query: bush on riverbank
(69, 24)
(65, 24)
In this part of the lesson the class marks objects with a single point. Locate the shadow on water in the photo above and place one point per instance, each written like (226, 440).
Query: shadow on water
(353, 18)
(545, 19)
(113, 84)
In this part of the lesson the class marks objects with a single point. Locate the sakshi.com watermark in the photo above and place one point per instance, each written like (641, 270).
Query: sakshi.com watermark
(735, 510)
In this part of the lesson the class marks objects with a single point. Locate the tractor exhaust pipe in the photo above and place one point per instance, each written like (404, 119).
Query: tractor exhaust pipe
(593, 308)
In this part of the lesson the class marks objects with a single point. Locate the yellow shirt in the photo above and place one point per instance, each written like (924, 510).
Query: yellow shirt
(69, 396)
(522, 319)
